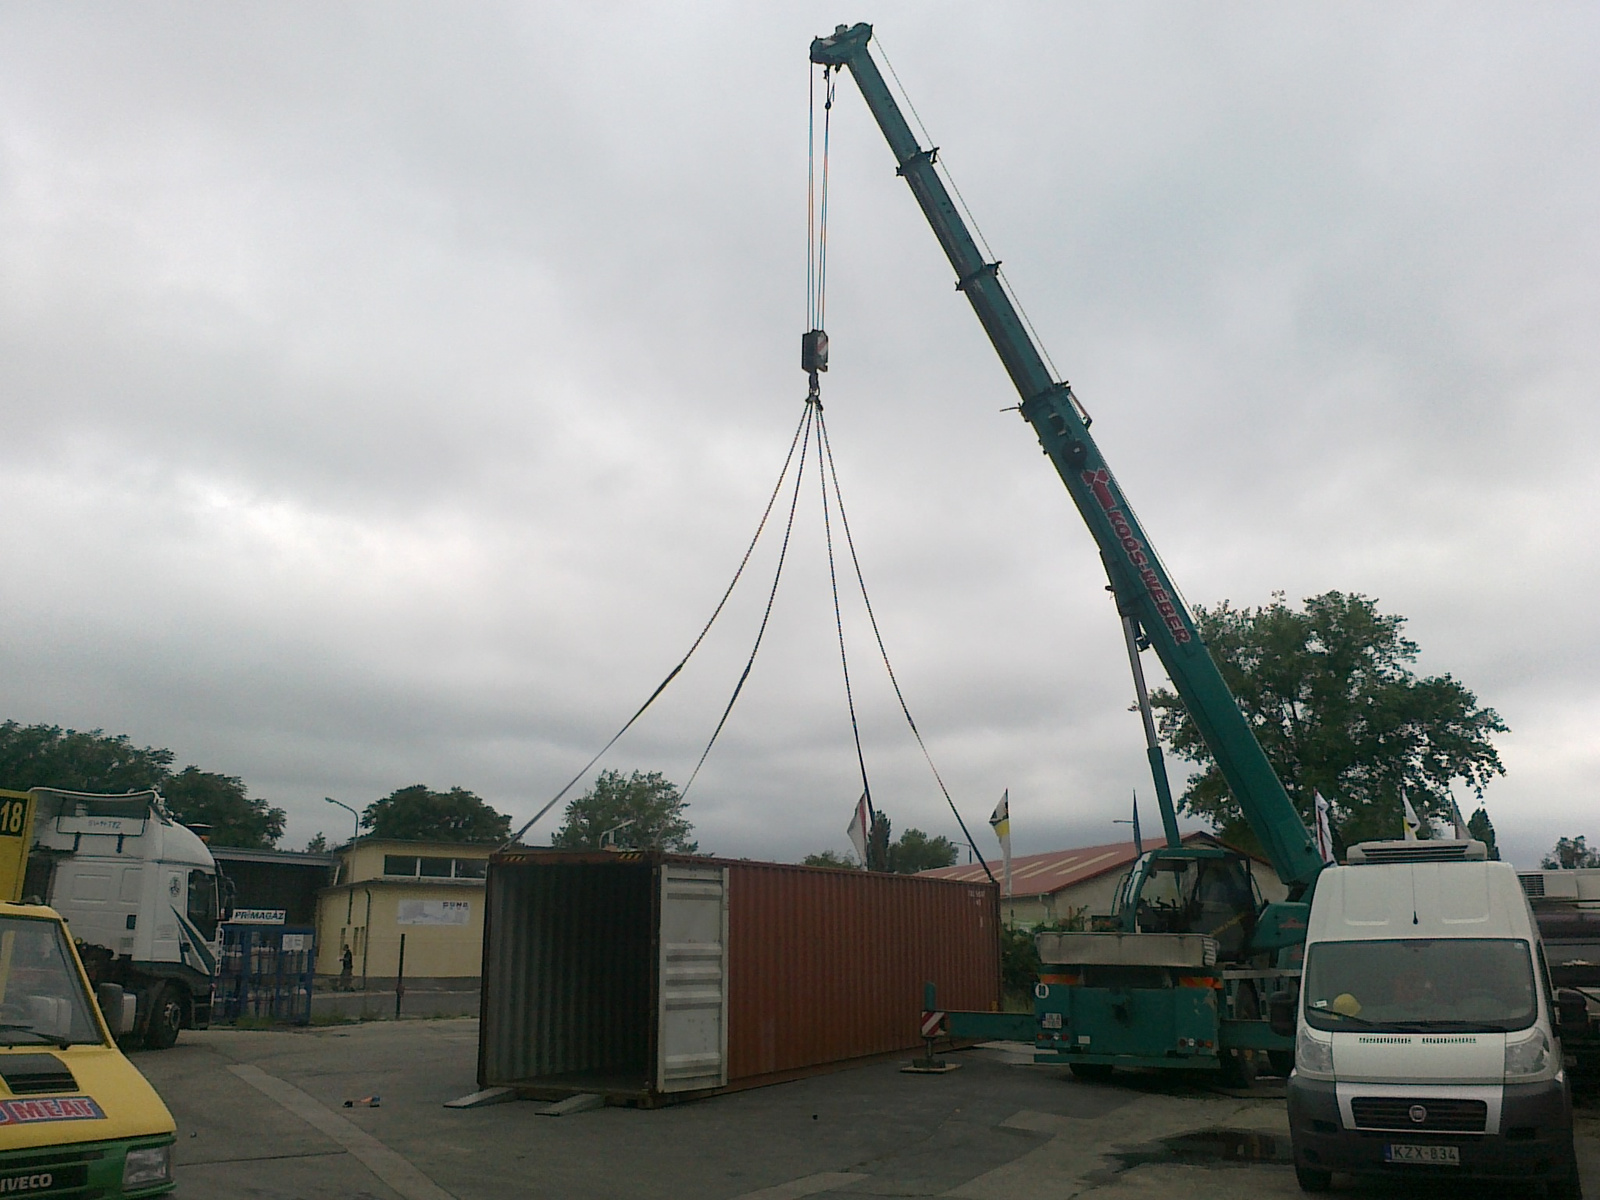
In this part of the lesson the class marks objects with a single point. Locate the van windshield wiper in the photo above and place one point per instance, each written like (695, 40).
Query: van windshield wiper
(1433, 1026)
(55, 1039)
(1339, 1016)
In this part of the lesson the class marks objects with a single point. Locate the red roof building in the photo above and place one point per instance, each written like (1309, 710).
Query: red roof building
(1057, 885)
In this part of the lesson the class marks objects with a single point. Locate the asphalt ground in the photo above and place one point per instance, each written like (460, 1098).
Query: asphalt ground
(261, 1114)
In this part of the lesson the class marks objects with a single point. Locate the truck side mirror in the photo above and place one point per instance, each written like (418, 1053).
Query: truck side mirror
(114, 1008)
(1281, 1015)
(1572, 1014)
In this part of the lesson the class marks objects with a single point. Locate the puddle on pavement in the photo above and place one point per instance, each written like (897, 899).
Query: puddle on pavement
(1209, 1147)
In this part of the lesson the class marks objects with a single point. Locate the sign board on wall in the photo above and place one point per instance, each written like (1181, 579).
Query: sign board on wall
(435, 912)
(257, 916)
(295, 941)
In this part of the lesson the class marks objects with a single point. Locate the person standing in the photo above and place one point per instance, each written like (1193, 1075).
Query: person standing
(347, 962)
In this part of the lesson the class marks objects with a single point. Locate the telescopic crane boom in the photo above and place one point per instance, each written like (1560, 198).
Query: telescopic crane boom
(1140, 581)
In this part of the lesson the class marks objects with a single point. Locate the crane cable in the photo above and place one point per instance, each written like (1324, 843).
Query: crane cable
(673, 674)
(772, 594)
(826, 453)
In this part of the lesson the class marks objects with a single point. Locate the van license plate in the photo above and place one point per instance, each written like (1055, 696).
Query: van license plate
(1448, 1156)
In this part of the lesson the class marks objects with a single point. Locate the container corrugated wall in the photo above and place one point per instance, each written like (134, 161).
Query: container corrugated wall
(826, 966)
(822, 967)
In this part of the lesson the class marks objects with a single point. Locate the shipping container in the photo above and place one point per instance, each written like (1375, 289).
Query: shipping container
(646, 977)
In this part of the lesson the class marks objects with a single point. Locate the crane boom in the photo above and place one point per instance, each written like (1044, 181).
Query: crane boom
(1138, 578)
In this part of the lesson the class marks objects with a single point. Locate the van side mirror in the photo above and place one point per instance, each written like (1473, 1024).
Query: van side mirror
(1281, 1014)
(1572, 1013)
(114, 1007)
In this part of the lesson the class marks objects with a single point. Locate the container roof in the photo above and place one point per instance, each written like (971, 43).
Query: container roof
(1042, 874)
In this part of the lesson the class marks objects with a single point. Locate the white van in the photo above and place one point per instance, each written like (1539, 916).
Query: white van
(1426, 1034)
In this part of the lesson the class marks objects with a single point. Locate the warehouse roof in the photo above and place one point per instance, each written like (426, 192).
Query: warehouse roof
(1041, 874)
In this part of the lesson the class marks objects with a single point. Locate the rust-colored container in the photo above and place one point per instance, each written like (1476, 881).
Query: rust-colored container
(649, 976)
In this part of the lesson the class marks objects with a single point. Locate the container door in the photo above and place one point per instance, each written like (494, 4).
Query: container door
(692, 1020)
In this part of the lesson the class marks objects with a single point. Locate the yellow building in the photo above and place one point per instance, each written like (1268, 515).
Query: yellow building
(431, 893)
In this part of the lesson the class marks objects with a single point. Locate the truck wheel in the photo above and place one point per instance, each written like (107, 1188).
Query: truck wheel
(166, 1017)
(1312, 1179)
(1093, 1072)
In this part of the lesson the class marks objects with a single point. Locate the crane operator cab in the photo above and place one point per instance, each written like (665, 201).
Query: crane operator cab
(1192, 889)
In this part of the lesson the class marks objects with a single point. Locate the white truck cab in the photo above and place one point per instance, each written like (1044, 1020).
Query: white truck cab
(1426, 1032)
(140, 893)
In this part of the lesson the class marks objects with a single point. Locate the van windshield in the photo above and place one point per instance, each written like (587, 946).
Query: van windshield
(42, 1001)
(1420, 984)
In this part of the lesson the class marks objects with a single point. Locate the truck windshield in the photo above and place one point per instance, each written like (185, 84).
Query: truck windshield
(42, 1000)
(1420, 984)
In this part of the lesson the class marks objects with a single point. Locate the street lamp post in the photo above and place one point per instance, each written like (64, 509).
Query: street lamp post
(356, 829)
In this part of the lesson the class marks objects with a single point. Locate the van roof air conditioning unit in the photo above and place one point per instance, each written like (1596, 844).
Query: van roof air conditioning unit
(1436, 850)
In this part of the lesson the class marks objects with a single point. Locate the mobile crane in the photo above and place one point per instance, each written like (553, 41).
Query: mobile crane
(1178, 983)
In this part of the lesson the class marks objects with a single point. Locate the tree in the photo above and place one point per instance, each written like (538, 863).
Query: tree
(915, 851)
(1482, 829)
(1569, 854)
(636, 812)
(318, 844)
(49, 756)
(831, 858)
(418, 814)
(196, 797)
(1337, 709)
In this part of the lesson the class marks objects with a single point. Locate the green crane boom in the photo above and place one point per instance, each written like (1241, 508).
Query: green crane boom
(1139, 580)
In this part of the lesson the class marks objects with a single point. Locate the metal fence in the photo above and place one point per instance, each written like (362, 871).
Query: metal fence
(265, 972)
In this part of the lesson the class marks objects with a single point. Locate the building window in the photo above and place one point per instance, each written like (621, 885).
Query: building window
(436, 868)
(472, 868)
(399, 864)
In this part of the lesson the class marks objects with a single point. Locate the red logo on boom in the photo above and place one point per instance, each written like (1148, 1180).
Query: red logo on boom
(1098, 481)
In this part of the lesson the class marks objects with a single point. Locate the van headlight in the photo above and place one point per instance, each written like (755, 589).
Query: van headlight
(1530, 1057)
(147, 1167)
(1312, 1056)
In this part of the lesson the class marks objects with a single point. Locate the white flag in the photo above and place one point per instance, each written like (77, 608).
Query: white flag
(1412, 822)
(1000, 821)
(857, 829)
(1462, 832)
(1324, 830)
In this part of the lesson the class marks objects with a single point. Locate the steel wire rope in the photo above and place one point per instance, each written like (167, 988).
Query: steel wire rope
(715, 613)
(944, 169)
(817, 203)
(866, 600)
(838, 621)
(772, 594)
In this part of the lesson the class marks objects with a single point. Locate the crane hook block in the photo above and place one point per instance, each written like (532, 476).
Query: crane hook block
(814, 351)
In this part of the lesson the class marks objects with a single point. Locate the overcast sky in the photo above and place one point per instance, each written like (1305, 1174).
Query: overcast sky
(387, 392)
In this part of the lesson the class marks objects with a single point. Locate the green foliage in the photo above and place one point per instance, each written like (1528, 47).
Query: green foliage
(197, 797)
(1569, 854)
(916, 851)
(1019, 960)
(1337, 709)
(318, 844)
(878, 842)
(1480, 827)
(831, 858)
(49, 756)
(646, 806)
(419, 814)
(94, 761)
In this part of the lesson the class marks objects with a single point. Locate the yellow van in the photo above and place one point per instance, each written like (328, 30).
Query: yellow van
(76, 1117)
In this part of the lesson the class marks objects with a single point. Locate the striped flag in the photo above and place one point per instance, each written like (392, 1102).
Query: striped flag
(1324, 830)
(857, 829)
(1000, 822)
(1413, 823)
(1462, 832)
